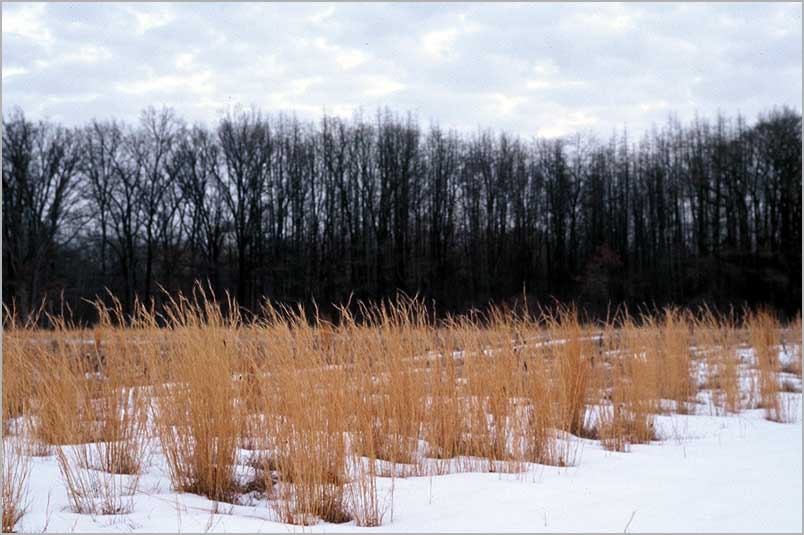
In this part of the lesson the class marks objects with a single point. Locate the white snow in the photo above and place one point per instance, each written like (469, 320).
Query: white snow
(723, 473)
(712, 473)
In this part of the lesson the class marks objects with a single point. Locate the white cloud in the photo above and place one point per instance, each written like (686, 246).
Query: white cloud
(654, 105)
(152, 18)
(547, 75)
(184, 60)
(8, 72)
(73, 99)
(349, 59)
(606, 17)
(378, 86)
(88, 54)
(201, 82)
(440, 44)
(343, 110)
(504, 104)
(323, 15)
(26, 20)
(301, 85)
(621, 22)
(551, 68)
(567, 124)
(548, 83)
(346, 58)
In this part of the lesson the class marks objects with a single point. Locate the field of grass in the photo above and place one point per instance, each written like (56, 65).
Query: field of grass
(313, 418)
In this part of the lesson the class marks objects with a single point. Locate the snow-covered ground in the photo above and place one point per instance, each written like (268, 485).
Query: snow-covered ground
(711, 473)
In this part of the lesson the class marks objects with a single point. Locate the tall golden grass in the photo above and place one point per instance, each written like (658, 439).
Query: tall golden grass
(324, 410)
(630, 386)
(16, 471)
(766, 341)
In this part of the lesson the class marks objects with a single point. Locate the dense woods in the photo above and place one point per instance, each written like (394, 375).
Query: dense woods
(272, 206)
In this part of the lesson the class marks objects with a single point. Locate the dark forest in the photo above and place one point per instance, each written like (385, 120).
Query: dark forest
(270, 206)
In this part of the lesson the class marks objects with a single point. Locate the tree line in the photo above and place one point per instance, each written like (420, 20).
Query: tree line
(323, 211)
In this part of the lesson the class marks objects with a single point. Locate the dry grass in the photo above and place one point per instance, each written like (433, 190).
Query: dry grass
(716, 340)
(305, 427)
(628, 418)
(197, 409)
(764, 337)
(365, 505)
(674, 378)
(84, 408)
(792, 344)
(570, 355)
(16, 470)
(325, 410)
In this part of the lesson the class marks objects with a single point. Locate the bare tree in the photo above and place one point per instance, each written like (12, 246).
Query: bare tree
(295, 210)
(200, 179)
(246, 147)
(40, 164)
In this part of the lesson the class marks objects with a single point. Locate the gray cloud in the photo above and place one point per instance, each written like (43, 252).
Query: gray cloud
(546, 69)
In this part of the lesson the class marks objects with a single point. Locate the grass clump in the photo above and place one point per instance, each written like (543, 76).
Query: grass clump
(326, 409)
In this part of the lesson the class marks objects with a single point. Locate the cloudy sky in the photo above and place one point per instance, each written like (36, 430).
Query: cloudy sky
(531, 69)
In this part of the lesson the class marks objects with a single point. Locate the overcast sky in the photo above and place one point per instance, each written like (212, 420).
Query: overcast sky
(531, 69)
